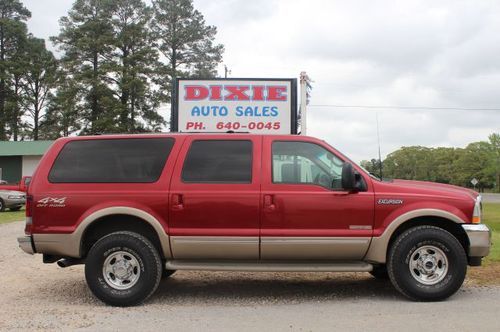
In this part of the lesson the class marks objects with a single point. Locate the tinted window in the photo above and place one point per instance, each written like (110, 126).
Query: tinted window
(306, 163)
(111, 160)
(218, 161)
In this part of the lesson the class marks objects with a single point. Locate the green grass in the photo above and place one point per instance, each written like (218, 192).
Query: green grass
(491, 217)
(9, 216)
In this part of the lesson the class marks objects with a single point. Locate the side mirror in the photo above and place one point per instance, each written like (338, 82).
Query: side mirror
(348, 177)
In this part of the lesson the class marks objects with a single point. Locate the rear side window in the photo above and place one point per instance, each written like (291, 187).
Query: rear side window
(136, 160)
(218, 161)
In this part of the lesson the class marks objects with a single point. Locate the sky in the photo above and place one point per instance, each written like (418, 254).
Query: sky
(429, 70)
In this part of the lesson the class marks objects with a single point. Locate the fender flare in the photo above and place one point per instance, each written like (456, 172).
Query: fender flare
(377, 252)
(124, 210)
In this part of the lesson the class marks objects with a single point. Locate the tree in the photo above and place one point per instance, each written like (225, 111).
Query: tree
(134, 66)
(86, 40)
(40, 78)
(473, 163)
(12, 28)
(495, 158)
(372, 166)
(14, 110)
(62, 117)
(413, 163)
(184, 39)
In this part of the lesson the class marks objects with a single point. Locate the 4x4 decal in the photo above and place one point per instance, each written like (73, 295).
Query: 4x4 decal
(51, 202)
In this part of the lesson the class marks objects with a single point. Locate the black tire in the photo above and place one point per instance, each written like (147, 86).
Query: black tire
(147, 271)
(380, 272)
(2, 205)
(429, 240)
(17, 208)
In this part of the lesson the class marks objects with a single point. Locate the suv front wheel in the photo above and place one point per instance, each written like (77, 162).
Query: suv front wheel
(427, 263)
(123, 269)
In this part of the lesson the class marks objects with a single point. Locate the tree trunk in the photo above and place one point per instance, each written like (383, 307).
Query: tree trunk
(95, 103)
(173, 64)
(125, 94)
(2, 85)
(36, 115)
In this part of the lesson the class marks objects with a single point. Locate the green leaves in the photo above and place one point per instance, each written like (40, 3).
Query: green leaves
(13, 33)
(480, 160)
(122, 56)
(118, 61)
(184, 39)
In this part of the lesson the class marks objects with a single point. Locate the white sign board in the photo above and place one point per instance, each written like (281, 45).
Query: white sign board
(264, 106)
(474, 182)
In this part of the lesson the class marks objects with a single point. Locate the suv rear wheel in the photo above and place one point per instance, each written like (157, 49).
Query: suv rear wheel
(427, 263)
(123, 269)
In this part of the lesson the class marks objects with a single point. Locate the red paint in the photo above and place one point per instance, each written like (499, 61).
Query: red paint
(236, 92)
(21, 186)
(259, 207)
(276, 93)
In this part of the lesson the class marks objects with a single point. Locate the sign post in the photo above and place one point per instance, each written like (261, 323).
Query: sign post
(474, 182)
(264, 106)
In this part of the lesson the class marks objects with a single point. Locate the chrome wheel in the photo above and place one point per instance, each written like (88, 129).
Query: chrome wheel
(121, 270)
(428, 265)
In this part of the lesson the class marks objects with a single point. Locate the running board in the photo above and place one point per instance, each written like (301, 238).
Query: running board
(269, 266)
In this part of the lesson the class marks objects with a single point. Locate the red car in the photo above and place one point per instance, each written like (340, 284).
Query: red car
(135, 207)
(21, 186)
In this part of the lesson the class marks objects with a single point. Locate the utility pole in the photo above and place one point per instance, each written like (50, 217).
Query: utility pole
(305, 85)
(226, 71)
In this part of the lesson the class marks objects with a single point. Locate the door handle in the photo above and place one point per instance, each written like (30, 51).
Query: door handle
(269, 203)
(177, 202)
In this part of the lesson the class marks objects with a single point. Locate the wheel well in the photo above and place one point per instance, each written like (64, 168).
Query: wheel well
(114, 223)
(454, 228)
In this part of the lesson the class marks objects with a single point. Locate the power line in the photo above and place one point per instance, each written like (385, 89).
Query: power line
(407, 107)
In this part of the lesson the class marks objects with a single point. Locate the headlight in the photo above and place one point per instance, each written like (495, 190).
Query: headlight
(15, 197)
(476, 216)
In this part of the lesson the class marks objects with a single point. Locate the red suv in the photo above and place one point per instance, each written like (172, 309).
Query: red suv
(135, 207)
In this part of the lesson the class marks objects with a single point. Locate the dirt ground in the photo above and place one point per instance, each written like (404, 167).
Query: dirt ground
(37, 296)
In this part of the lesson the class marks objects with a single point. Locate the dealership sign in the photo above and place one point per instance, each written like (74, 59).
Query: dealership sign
(235, 105)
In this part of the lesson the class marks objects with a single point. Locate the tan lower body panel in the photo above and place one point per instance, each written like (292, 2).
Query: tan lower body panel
(269, 266)
(214, 247)
(342, 248)
(68, 245)
(57, 244)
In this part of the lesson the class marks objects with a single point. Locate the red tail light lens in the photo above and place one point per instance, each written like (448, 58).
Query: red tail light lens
(29, 214)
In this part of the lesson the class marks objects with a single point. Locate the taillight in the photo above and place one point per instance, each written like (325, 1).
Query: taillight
(478, 207)
(29, 214)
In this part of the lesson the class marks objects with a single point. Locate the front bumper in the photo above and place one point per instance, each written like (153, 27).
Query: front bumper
(479, 239)
(26, 244)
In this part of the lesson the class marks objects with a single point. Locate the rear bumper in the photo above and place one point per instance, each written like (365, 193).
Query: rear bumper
(479, 239)
(26, 244)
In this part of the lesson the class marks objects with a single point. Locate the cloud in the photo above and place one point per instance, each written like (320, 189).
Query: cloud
(381, 52)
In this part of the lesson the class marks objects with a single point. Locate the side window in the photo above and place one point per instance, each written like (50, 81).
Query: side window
(218, 161)
(134, 160)
(306, 163)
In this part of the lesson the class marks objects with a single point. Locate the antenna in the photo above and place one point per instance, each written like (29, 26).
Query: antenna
(379, 154)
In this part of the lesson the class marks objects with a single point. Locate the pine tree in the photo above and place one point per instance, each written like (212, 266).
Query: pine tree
(185, 41)
(135, 66)
(12, 28)
(62, 117)
(14, 109)
(86, 41)
(39, 79)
